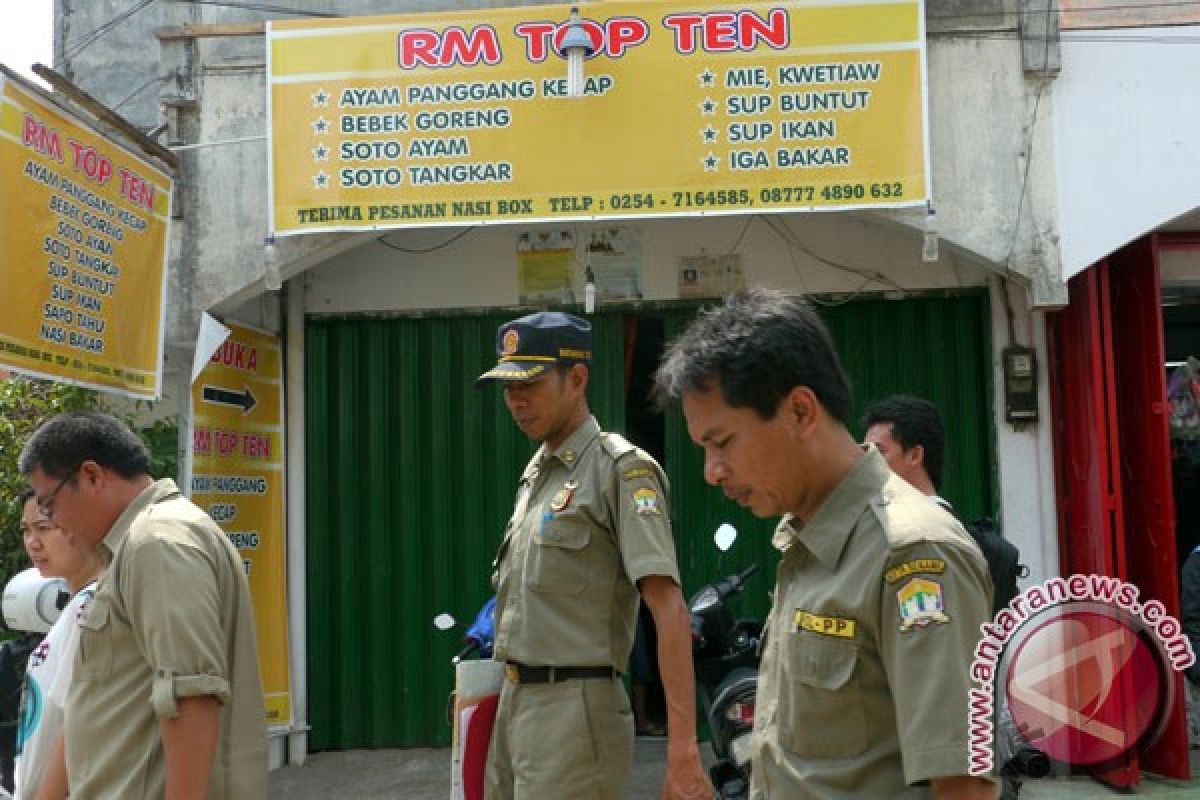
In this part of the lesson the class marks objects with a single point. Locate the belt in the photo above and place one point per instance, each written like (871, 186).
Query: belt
(519, 673)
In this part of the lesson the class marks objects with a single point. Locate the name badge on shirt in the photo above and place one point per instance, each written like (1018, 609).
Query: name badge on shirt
(841, 627)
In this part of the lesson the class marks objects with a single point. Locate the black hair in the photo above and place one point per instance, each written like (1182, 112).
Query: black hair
(757, 346)
(914, 421)
(67, 440)
(23, 497)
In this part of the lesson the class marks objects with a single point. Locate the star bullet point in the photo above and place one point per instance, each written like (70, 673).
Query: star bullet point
(710, 134)
(708, 107)
(321, 126)
(706, 78)
(710, 163)
(321, 153)
(321, 180)
(320, 99)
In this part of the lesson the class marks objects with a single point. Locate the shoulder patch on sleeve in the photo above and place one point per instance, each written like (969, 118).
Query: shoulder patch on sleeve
(934, 565)
(645, 501)
(921, 604)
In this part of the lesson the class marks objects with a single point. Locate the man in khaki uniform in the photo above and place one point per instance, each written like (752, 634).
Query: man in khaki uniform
(863, 687)
(166, 699)
(590, 528)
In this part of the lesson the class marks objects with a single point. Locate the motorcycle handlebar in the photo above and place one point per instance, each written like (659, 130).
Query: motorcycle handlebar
(747, 573)
(470, 647)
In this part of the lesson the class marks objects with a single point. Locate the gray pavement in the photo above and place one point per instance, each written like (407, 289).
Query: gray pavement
(423, 774)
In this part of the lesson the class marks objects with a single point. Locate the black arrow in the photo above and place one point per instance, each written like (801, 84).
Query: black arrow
(228, 397)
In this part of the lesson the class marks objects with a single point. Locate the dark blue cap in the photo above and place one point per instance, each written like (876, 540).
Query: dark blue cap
(527, 347)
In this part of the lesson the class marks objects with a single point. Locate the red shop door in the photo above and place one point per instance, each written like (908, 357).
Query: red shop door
(1116, 513)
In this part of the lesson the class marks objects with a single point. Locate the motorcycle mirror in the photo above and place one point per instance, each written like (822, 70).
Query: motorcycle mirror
(725, 536)
(444, 622)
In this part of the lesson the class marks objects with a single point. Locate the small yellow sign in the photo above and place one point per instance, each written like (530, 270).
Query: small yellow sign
(934, 565)
(238, 478)
(686, 108)
(83, 237)
(841, 627)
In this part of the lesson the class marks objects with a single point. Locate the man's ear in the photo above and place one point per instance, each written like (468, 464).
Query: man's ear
(90, 473)
(579, 376)
(802, 407)
(916, 455)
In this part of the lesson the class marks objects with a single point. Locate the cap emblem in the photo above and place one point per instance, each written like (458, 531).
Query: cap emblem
(509, 344)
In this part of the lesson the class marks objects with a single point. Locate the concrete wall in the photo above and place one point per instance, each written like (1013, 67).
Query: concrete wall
(1125, 134)
(480, 269)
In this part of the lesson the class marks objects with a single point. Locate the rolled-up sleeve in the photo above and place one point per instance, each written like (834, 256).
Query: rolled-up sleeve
(178, 628)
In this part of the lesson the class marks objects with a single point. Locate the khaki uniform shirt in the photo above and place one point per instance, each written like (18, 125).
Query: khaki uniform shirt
(863, 688)
(590, 520)
(171, 618)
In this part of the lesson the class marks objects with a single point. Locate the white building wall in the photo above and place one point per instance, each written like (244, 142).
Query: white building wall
(480, 269)
(1127, 124)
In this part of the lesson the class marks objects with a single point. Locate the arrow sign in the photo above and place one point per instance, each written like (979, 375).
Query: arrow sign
(230, 397)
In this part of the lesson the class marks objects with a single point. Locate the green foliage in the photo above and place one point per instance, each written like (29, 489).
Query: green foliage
(24, 405)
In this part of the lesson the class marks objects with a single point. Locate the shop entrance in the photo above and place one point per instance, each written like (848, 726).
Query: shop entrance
(1113, 454)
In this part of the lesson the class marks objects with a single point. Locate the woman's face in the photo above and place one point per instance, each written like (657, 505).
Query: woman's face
(51, 550)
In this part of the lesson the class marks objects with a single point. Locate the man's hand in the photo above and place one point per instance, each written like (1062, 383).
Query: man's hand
(963, 787)
(686, 779)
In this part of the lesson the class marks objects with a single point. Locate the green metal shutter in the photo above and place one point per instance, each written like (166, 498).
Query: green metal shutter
(934, 347)
(411, 474)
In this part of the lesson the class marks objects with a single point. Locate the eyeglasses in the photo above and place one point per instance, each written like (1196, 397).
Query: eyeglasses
(46, 504)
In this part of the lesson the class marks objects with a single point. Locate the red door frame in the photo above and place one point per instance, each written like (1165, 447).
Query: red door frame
(1112, 452)
(1086, 448)
(1146, 459)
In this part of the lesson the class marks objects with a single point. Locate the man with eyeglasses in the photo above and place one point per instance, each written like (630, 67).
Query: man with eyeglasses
(166, 698)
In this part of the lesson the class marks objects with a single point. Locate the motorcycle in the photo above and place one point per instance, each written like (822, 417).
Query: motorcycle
(471, 709)
(725, 653)
(480, 635)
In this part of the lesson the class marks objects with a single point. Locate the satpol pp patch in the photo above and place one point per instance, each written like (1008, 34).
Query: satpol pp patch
(645, 501)
(921, 604)
(636, 472)
(841, 627)
(935, 565)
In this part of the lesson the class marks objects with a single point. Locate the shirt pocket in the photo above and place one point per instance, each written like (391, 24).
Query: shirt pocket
(559, 554)
(95, 641)
(823, 712)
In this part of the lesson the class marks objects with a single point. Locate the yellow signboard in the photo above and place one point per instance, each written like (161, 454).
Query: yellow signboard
(238, 478)
(441, 118)
(83, 237)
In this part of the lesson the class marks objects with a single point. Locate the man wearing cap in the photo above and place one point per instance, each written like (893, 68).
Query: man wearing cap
(590, 529)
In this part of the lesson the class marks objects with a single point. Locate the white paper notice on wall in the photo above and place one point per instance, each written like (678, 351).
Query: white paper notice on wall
(614, 253)
(711, 276)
